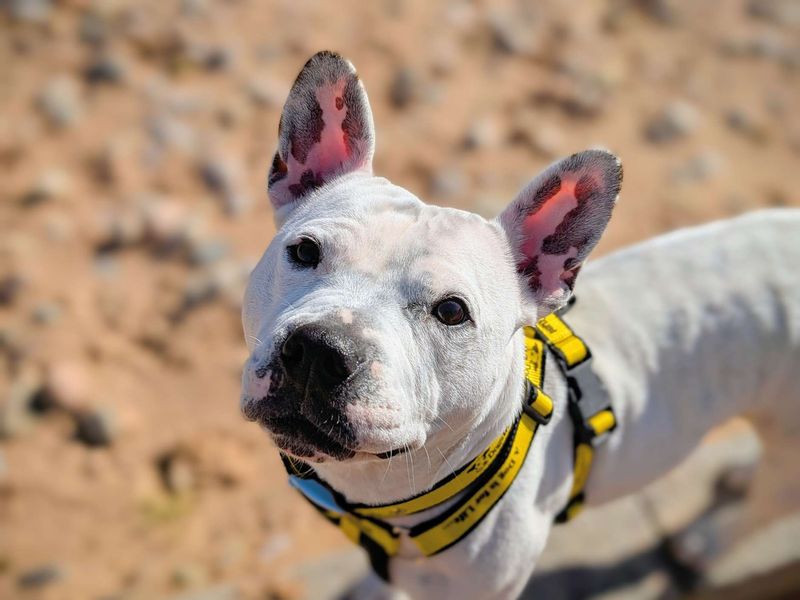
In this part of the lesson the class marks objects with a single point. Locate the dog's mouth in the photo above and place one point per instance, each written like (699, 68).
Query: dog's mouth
(301, 438)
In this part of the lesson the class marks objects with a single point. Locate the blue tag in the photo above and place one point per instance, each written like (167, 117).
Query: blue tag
(317, 493)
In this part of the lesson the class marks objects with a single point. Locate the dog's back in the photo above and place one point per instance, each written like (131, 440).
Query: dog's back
(688, 330)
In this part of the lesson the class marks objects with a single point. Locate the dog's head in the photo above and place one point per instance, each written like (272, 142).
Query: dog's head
(376, 322)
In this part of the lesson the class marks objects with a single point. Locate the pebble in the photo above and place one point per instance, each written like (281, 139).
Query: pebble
(29, 11)
(404, 88)
(50, 184)
(60, 101)
(512, 35)
(697, 169)
(191, 575)
(481, 134)
(47, 313)
(544, 139)
(206, 252)
(93, 28)
(223, 177)
(107, 68)
(747, 125)
(177, 471)
(66, 385)
(96, 427)
(41, 576)
(169, 132)
(10, 288)
(225, 591)
(785, 13)
(266, 93)
(448, 182)
(676, 120)
(16, 408)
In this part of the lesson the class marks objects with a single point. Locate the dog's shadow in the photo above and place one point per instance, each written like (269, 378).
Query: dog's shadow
(667, 564)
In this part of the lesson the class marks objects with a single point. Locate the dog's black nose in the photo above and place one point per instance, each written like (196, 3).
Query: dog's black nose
(312, 356)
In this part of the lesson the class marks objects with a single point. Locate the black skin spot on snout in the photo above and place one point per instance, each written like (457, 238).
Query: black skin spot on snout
(305, 420)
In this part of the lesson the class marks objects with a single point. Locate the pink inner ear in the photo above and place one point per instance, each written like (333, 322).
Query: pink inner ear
(331, 151)
(543, 222)
(550, 271)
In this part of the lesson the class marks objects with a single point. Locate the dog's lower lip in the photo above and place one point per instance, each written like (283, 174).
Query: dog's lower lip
(391, 453)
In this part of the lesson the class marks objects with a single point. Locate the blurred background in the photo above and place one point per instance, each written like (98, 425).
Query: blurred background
(134, 143)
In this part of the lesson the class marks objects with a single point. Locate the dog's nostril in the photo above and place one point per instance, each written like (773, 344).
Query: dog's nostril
(292, 350)
(334, 368)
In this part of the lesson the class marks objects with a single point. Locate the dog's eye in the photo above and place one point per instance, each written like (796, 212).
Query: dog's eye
(305, 253)
(451, 311)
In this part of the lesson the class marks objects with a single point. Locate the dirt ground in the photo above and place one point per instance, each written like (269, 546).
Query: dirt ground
(134, 144)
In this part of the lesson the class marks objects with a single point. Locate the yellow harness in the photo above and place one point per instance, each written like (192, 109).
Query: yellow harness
(485, 479)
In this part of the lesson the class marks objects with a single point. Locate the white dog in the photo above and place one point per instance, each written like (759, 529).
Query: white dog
(388, 347)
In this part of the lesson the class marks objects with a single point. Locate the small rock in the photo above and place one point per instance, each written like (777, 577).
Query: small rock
(224, 591)
(119, 230)
(41, 576)
(66, 385)
(93, 28)
(544, 139)
(50, 184)
(448, 182)
(106, 69)
(205, 252)
(177, 471)
(223, 177)
(47, 313)
(785, 13)
(169, 132)
(189, 576)
(60, 101)
(266, 93)
(29, 11)
(17, 405)
(746, 124)
(510, 36)
(404, 88)
(698, 168)
(482, 133)
(678, 119)
(10, 288)
(661, 11)
(194, 8)
(96, 427)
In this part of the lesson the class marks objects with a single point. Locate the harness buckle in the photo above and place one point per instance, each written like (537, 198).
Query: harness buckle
(587, 397)
(528, 409)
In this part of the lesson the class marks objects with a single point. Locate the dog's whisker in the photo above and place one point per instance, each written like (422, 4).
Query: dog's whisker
(445, 422)
(430, 466)
(447, 462)
(386, 472)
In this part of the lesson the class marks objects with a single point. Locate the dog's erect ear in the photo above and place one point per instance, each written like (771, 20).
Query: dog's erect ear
(325, 130)
(557, 219)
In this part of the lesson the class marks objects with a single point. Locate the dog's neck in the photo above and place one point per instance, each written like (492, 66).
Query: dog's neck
(452, 446)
